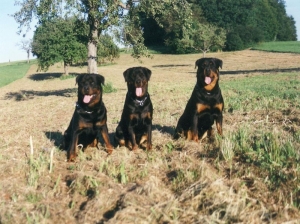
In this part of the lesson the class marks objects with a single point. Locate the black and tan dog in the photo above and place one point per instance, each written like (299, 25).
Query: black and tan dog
(135, 126)
(89, 118)
(205, 105)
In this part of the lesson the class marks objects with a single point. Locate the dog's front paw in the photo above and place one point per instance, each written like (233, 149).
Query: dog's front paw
(72, 157)
(109, 150)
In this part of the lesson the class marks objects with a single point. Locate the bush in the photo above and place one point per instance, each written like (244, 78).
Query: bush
(234, 42)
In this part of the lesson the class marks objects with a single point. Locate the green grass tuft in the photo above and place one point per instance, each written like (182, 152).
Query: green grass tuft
(108, 88)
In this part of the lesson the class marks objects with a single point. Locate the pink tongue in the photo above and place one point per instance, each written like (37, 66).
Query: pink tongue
(138, 91)
(207, 80)
(87, 98)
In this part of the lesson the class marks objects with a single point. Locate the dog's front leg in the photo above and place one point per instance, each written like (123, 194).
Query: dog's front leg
(195, 128)
(71, 153)
(132, 123)
(219, 121)
(105, 136)
(149, 136)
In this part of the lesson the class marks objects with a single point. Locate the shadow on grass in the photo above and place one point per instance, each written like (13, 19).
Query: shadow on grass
(260, 71)
(48, 76)
(236, 72)
(164, 129)
(30, 94)
(171, 65)
(55, 137)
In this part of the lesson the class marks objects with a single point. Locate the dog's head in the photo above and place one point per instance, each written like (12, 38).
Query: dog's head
(137, 80)
(89, 88)
(208, 72)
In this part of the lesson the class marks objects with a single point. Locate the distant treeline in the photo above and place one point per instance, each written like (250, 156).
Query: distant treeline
(246, 22)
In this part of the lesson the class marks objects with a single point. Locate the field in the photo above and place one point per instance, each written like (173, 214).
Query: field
(12, 71)
(279, 46)
(251, 175)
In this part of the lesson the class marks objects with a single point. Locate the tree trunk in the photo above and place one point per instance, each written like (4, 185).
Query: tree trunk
(66, 68)
(92, 57)
(28, 55)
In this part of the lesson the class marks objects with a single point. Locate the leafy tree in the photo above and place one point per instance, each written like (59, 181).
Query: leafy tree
(56, 41)
(184, 30)
(286, 24)
(26, 45)
(207, 36)
(107, 50)
(249, 21)
(99, 15)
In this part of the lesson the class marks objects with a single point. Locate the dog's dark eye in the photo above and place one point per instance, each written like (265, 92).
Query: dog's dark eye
(93, 83)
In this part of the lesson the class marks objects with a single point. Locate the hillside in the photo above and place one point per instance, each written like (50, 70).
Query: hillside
(178, 181)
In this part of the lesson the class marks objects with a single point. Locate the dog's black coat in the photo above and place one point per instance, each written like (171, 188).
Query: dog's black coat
(135, 125)
(205, 104)
(89, 117)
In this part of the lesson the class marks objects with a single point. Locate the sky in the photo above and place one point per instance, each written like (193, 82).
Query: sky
(9, 39)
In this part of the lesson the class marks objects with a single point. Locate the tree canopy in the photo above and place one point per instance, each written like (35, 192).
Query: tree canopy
(245, 22)
(55, 41)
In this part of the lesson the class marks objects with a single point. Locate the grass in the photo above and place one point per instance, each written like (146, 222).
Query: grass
(10, 72)
(250, 175)
(265, 92)
(279, 46)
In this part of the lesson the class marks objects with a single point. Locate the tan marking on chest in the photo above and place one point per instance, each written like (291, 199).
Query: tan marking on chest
(202, 107)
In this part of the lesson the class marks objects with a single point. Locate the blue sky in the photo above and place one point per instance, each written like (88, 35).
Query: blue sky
(9, 37)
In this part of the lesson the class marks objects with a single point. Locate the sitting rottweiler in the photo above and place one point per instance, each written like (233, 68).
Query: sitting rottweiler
(135, 126)
(205, 105)
(89, 117)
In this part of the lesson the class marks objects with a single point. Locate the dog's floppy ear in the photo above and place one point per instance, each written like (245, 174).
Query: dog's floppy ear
(218, 62)
(147, 72)
(127, 73)
(100, 79)
(199, 62)
(78, 78)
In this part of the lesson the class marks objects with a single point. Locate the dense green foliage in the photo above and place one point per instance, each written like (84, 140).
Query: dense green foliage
(250, 21)
(246, 22)
(10, 72)
(58, 40)
(65, 40)
(181, 28)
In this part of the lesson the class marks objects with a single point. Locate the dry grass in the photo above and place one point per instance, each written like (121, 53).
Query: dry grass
(178, 182)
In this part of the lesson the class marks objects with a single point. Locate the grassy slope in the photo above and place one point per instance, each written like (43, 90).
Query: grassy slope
(251, 175)
(279, 46)
(10, 72)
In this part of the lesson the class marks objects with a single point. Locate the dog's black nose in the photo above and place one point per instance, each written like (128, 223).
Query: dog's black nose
(138, 82)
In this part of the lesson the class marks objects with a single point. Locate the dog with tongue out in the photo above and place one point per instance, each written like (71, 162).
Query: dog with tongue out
(205, 105)
(135, 127)
(89, 118)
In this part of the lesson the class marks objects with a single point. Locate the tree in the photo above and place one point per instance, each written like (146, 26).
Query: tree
(58, 40)
(100, 15)
(26, 45)
(207, 36)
